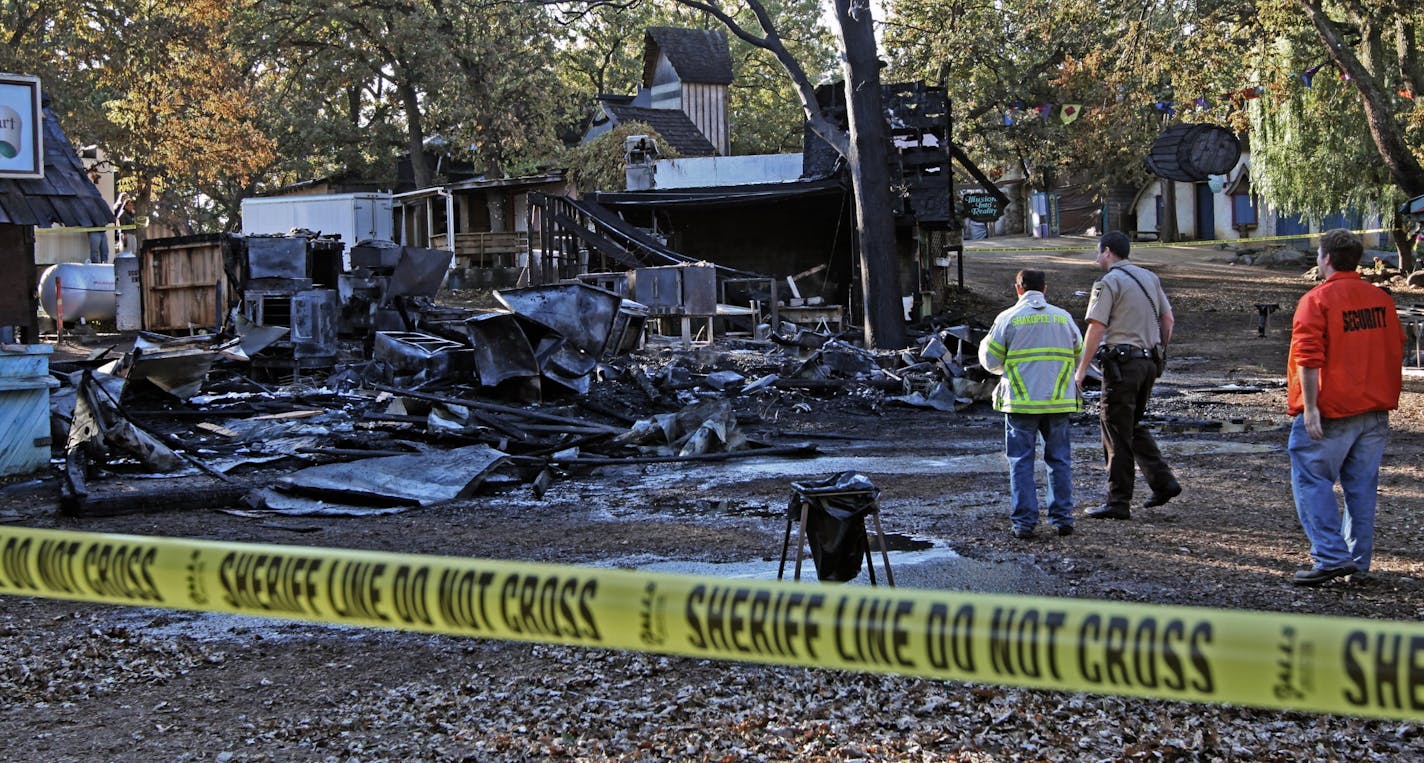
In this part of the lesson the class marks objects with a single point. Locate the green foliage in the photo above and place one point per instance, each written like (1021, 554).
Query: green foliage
(993, 56)
(1313, 151)
(1310, 151)
(358, 84)
(600, 164)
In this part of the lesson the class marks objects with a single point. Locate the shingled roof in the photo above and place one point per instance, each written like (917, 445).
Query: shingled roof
(697, 55)
(65, 193)
(674, 126)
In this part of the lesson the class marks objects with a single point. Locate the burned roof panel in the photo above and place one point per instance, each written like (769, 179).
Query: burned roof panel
(63, 195)
(675, 127)
(697, 55)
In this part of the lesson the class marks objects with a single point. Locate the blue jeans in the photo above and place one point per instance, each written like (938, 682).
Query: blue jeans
(1349, 454)
(98, 246)
(1021, 433)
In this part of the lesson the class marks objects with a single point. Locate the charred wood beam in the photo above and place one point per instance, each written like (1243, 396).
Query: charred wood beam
(605, 245)
(486, 406)
(604, 410)
(568, 429)
(837, 384)
(235, 412)
(577, 442)
(353, 453)
(495, 424)
(153, 496)
(978, 174)
(789, 450)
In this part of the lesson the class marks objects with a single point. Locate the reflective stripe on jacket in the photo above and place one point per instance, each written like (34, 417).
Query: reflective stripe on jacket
(1035, 346)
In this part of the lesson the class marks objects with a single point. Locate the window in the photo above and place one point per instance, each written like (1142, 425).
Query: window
(1243, 210)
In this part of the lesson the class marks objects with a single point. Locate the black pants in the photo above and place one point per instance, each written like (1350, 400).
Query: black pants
(1127, 386)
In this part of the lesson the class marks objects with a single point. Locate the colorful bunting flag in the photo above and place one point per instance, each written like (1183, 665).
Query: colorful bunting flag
(1016, 111)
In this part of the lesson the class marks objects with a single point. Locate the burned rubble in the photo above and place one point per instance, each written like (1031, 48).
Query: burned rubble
(377, 398)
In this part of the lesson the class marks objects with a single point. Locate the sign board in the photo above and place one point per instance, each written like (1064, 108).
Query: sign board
(21, 127)
(981, 206)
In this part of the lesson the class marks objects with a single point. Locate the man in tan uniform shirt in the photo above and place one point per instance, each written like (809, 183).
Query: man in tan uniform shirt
(1128, 315)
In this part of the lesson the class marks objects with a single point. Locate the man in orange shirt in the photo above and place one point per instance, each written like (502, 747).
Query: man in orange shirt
(1344, 375)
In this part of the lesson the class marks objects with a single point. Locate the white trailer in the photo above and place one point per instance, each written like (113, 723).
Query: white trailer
(355, 216)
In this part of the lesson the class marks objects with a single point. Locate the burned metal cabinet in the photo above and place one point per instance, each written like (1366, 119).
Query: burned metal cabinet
(278, 290)
(313, 335)
(412, 358)
(383, 275)
(683, 292)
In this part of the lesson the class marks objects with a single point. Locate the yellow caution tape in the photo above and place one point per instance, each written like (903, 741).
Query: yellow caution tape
(1264, 659)
(64, 229)
(1164, 244)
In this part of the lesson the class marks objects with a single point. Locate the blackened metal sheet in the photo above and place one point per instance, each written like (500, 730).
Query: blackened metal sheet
(375, 253)
(502, 349)
(419, 273)
(583, 314)
(276, 257)
(419, 479)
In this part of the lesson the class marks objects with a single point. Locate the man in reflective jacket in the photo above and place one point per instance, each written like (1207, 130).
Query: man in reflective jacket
(1034, 345)
(1343, 378)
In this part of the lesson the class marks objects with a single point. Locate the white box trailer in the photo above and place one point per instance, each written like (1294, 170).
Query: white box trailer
(355, 216)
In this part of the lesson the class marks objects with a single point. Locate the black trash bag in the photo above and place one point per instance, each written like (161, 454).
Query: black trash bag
(835, 522)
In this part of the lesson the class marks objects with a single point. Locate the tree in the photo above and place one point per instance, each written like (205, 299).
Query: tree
(1375, 46)
(471, 73)
(601, 164)
(158, 85)
(1113, 60)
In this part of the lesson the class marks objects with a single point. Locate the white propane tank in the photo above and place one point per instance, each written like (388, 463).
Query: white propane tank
(87, 290)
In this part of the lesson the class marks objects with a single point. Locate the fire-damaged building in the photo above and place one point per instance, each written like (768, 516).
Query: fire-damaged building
(751, 221)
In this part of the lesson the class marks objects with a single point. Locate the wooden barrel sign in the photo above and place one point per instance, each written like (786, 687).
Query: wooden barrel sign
(1190, 152)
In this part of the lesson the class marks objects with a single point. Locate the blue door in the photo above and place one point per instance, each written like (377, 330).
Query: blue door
(1206, 213)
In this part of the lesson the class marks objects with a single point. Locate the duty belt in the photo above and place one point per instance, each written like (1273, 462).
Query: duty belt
(1131, 351)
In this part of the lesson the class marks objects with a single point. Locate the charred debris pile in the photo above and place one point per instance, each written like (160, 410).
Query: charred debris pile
(379, 399)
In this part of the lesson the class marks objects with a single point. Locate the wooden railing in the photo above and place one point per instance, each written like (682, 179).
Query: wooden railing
(487, 250)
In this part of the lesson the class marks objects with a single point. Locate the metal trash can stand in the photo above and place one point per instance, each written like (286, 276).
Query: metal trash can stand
(831, 513)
